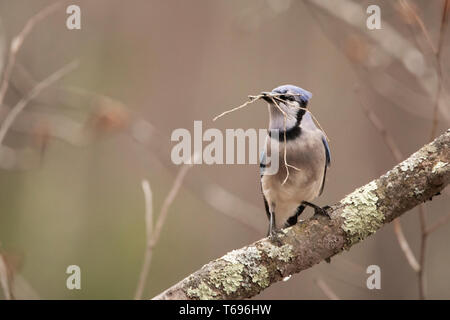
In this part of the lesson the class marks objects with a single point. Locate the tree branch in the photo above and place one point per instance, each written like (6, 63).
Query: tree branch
(246, 272)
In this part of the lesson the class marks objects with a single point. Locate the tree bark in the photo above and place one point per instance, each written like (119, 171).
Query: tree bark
(245, 272)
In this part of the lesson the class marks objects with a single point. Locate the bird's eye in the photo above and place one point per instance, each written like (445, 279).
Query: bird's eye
(288, 98)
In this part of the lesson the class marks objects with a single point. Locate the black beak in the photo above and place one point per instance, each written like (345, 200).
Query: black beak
(267, 97)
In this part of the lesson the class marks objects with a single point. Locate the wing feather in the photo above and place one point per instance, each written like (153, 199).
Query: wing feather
(327, 162)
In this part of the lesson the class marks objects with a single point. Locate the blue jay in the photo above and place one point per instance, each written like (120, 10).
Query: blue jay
(306, 149)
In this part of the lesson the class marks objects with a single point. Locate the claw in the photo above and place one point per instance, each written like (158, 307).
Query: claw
(322, 212)
(275, 238)
(318, 210)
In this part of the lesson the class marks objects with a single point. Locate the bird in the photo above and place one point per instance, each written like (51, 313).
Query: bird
(307, 150)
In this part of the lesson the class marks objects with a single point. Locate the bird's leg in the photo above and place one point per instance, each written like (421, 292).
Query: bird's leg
(271, 231)
(293, 219)
(318, 210)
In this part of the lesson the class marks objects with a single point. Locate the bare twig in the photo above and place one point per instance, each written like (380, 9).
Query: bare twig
(422, 256)
(31, 95)
(442, 221)
(405, 4)
(167, 202)
(154, 233)
(254, 99)
(17, 42)
(4, 279)
(404, 245)
(286, 165)
(326, 289)
(378, 124)
(149, 229)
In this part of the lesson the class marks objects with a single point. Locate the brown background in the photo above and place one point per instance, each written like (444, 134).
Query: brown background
(173, 62)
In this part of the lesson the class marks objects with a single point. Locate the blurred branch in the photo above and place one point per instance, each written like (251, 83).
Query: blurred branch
(5, 280)
(438, 52)
(411, 12)
(404, 245)
(17, 42)
(398, 156)
(149, 229)
(423, 247)
(326, 289)
(442, 221)
(392, 44)
(245, 272)
(434, 127)
(154, 233)
(141, 131)
(217, 197)
(55, 126)
(378, 124)
(31, 95)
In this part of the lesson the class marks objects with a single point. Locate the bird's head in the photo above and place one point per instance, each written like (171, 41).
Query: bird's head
(292, 100)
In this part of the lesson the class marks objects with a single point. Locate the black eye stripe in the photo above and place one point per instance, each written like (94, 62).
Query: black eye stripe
(287, 97)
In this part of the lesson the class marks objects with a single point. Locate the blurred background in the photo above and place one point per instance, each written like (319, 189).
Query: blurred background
(72, 161)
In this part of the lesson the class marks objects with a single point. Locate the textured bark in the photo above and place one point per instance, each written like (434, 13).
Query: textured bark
(245, 272)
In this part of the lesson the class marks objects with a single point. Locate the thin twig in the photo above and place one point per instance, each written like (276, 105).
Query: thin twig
(326, 289)
(149, 229)
(284, 141)
(378, 124)
(154, 233)
(406, 6)
(254, 99)
(167, 202)
(442, 221)
(444, 22)
(17, 42)
(422, 256)
(4, 279)
(404, 245)
(31, 95)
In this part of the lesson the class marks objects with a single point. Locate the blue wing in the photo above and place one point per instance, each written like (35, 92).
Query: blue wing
(327, 162)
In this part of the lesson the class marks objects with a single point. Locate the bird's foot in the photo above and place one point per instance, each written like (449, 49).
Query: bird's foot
(275, 236)
(318, 211)
(431, 198)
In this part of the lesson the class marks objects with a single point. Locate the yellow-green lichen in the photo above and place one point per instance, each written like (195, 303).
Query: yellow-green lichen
(250, 258)
(410, 163)
(261, 276)
(229, 278)
(202, 292)
(361, 215)
(283, 253)
(246, 256)
(438, 166)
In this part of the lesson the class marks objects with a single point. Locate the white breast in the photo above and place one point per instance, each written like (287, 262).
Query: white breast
(307, 154)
